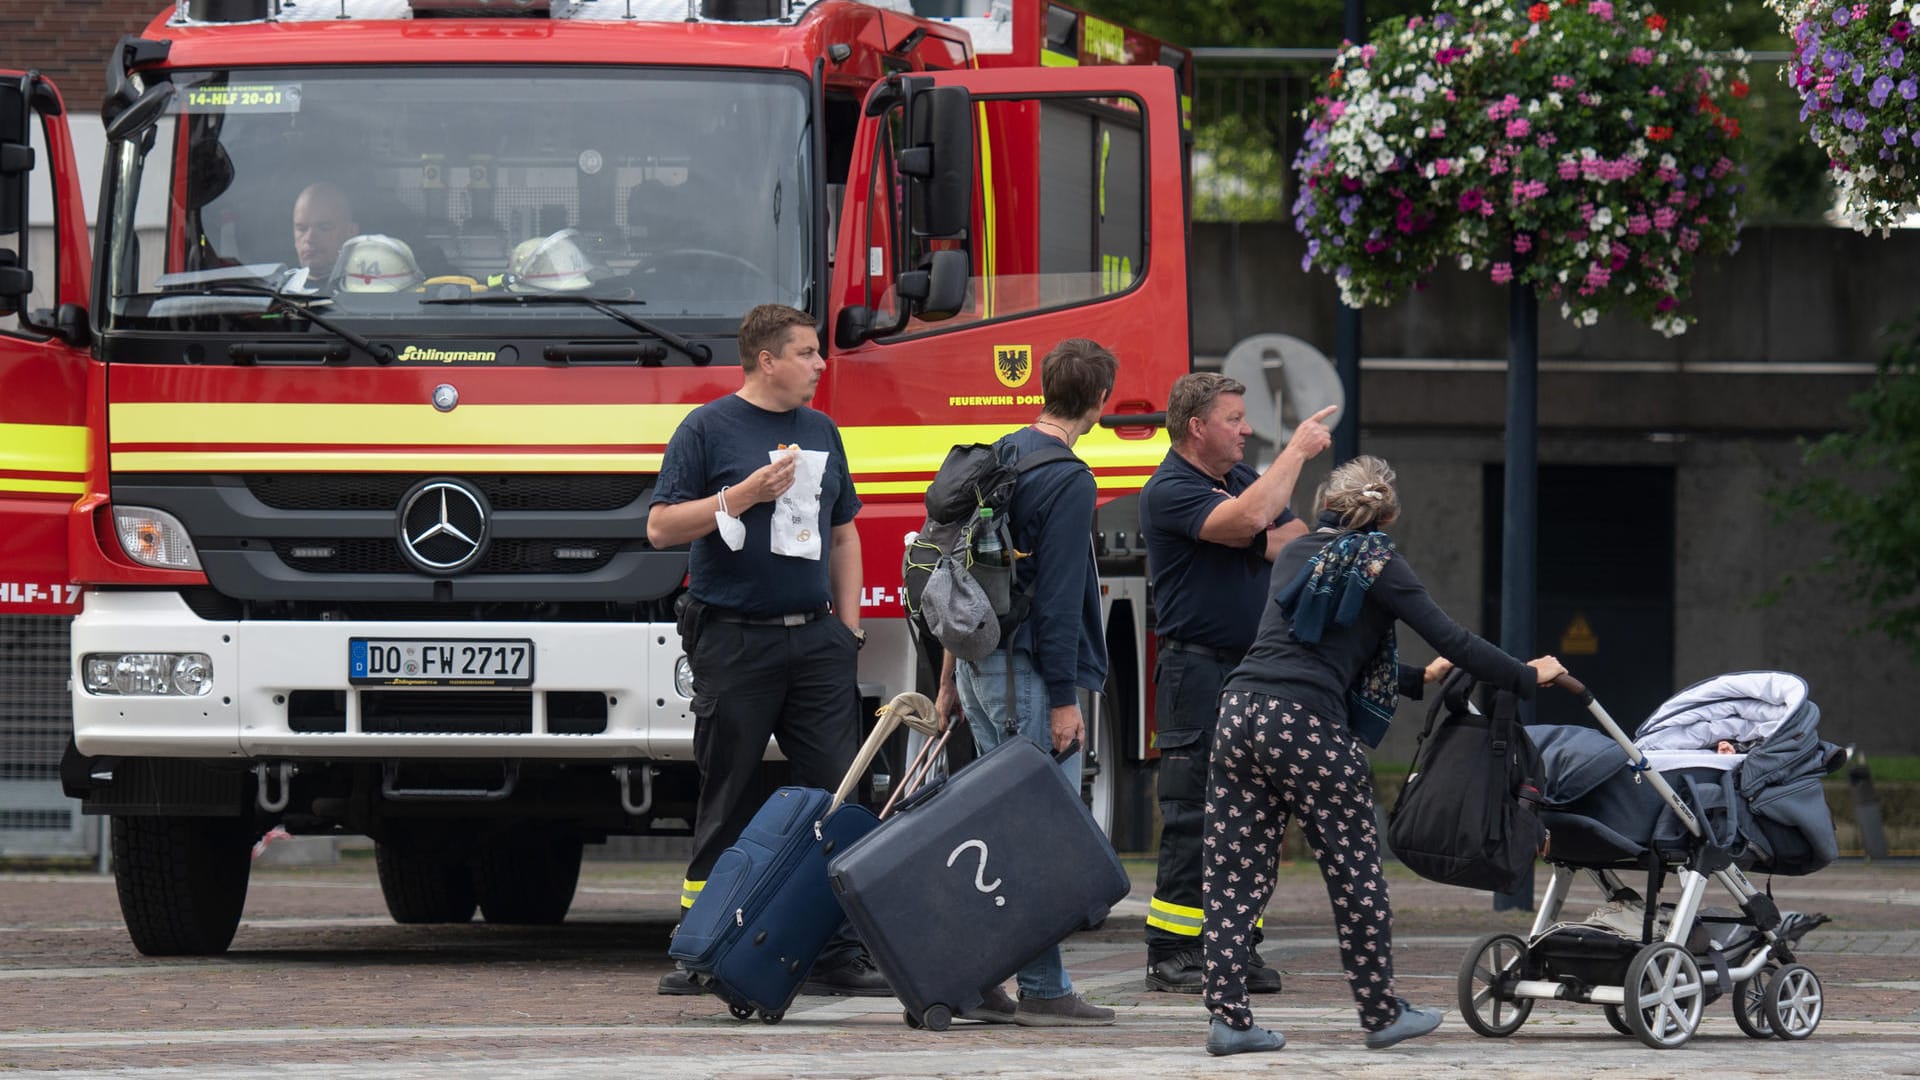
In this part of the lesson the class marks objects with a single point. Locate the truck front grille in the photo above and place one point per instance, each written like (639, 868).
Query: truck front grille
(506, 491)
(362, 556)
(453, 712)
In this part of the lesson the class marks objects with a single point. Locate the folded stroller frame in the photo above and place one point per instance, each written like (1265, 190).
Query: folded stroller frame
(1653, 967)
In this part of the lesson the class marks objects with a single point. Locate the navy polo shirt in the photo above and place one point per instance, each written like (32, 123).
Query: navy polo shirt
(723, 442)
(1203, 593)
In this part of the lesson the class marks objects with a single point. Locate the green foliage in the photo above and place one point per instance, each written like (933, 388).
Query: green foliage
(1867, 491)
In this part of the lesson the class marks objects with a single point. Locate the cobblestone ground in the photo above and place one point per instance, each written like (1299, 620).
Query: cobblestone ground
(320, 984)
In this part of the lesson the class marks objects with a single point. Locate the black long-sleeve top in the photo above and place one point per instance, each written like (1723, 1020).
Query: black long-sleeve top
(1318, 675)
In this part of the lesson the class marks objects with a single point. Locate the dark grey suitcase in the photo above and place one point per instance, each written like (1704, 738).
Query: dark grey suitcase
(973, 877)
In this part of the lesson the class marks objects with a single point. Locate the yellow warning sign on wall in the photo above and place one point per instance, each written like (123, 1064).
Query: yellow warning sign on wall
(1579, 639)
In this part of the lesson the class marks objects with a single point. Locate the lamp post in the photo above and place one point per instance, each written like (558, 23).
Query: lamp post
(1346, 435)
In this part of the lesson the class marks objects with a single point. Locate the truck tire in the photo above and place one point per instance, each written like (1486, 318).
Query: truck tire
(1117, 789)
(182, 881)
(527, 878)
(420, 888)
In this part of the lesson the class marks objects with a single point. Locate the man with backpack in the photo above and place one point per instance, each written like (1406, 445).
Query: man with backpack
(1212, 526)
(1029, 686)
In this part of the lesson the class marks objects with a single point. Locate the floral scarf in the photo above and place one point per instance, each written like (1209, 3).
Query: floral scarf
(1333, 586)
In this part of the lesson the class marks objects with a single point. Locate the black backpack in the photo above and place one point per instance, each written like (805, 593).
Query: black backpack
(1461, 819)
(974, 477)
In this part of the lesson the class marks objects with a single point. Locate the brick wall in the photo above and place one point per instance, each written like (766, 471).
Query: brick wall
(68, 41)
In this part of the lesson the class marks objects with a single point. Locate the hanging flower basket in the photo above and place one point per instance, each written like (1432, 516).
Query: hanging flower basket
(1583, 147)
(1860, 99)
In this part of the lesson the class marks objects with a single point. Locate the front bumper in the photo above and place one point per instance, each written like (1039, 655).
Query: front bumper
(260, 666)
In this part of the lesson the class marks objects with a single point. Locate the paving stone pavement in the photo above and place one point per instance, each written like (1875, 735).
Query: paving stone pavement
(320, 985)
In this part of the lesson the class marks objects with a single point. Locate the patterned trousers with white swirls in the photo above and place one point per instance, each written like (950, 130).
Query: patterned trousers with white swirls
(1272, 759)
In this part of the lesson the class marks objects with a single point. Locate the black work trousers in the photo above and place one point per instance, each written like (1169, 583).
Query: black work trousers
(1186, 705)
(797, 684)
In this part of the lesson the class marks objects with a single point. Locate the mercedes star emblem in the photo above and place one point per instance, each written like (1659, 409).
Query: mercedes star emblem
(445, 397)
(443, 525)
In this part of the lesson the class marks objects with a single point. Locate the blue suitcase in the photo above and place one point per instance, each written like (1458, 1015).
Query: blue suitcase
(767, 910)
(971, 878)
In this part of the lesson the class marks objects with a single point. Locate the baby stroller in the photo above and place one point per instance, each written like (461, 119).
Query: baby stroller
(1722, 779)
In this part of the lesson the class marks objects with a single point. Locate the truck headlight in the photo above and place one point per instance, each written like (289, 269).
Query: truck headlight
(154, 538)
(683, 678)
(147, 674)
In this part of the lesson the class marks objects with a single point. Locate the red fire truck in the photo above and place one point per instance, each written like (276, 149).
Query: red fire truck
(354, 541)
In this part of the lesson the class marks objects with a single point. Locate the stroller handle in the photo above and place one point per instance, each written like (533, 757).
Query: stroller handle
(1573, 686)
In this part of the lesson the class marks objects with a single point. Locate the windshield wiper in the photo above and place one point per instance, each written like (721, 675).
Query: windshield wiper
(698, 353)
(381, 354)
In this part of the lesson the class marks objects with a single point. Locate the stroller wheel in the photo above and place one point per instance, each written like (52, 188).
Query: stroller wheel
(1487, 1004)
(1616, 1021)
(1664, 996)
(1750, 1004)
(1793, 1002)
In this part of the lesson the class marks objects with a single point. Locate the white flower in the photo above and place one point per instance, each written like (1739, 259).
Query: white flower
(1581, 249)
(1601, 219)
(1667, 162)
(1466, 262)
(1554, 99)
(1478, 154)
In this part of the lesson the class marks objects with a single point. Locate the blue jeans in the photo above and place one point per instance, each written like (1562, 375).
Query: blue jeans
(983, 697)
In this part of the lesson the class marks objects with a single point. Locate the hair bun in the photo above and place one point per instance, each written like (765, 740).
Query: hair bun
(1372, 494)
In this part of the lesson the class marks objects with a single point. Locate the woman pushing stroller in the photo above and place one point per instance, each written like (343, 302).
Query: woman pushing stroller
(1319, 681)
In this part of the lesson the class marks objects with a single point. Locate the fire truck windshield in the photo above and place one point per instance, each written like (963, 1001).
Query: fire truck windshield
(367, 192)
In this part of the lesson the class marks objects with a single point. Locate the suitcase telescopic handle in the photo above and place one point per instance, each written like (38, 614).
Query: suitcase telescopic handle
(914, 710)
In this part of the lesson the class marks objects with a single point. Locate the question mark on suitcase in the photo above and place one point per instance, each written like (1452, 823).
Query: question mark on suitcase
(980, 872)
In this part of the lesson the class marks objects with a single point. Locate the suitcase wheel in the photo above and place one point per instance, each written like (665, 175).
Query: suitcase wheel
(937, 1017)
(741, 1012)
(772, 1017)
(912, 1018)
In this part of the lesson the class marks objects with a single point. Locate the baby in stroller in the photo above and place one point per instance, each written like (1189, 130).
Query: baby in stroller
(1724, 777)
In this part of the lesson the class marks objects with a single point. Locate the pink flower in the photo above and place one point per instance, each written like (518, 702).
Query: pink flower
(1471, 199)
(1637, 225)
(1586, 212)
(1667, 303)
(1664, 217)
(1501, 272)
(1569, 169)
(1518, 128)
(1640, 55)
(1563, 82)
(1443, 166)
(1601, 10)
(1522, 243)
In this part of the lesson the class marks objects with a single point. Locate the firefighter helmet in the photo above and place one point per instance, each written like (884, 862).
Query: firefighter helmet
(372, 263)
(554, 263)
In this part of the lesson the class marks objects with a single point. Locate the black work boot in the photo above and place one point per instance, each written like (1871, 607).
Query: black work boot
(1261, 979)
(1182, 973)
(680, 983)
(852, 975)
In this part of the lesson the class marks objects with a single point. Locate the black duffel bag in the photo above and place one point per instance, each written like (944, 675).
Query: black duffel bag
(1461, 819)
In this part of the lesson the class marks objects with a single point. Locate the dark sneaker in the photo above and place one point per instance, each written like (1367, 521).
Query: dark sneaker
(1068, 1010)
(995, 1008)
(680, 983)
(1222, 1039)
(1262, 979)
(1181, 973)
(1412, 1024)
(855, 976)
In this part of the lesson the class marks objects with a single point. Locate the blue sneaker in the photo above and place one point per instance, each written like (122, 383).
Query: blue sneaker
(1222, 1039)
(1412, 1023)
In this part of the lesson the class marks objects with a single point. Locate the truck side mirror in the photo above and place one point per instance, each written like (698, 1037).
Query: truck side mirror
(939, 291)
(138, 118)
(939, 160)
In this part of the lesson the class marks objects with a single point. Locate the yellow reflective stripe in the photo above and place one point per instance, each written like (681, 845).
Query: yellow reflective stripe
(690, 891)
(335, 424)
(921, 449)
(1157, 904)
(1182, 929)
(1175, 918)
(51, 448)
(15, 485)
(988, 275)
(347, 461)
(1049, 58)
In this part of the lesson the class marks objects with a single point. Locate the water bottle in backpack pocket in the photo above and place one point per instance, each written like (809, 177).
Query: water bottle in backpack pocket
(992, 565)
